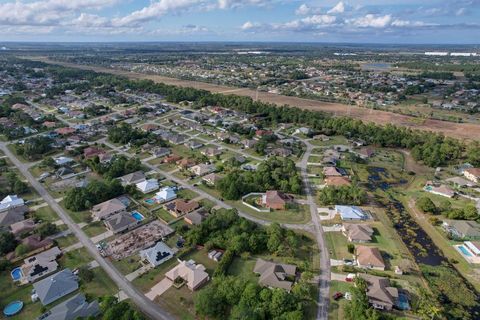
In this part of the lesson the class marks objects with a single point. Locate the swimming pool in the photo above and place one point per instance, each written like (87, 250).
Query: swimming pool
(16, 274)
(13, 308)
(403, 302)
(137, 215)
(150, 201)
(464, 250)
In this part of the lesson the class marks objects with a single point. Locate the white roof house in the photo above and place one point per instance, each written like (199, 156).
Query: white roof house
(11, 201)
(351, 213)
(62, 160)
(157, 254)
(166, 194)
(193, 274)
(147, 186)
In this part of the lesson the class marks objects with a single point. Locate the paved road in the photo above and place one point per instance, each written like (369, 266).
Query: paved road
(324, 280)
(151, 309)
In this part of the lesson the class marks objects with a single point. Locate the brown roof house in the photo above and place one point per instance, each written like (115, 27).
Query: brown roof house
(275, 275)
(369, 258)
(335, 181)
(359, 233)
(276, 200)
(381, 295)
(193, 274)
(180, 207)
(108, 208)
(472, 174)
(195, 217)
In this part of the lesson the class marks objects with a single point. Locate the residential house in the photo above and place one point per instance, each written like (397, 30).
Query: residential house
(64, 172)
(147, 186)
(276, 200)
(172, 159)
(333, 172)
(193, 144)
(185, 163)
(472, 174)
(351, 213)
(77, 307)
(365, 153)
(35, 242)
(359, 233)
(11, 201)
(177, 139)
(193, 274)
(92, 152)
(249, 143)
(460, 182)
(202, 169)
(335, 181)
(281, 152)
(22, 227)
(275, 275)
(60, 161)
(462, 229)
(121, 222)
(108, 208)
(132, 178)
(160, 152)
(181, 207)
(196, 217)
(149, 127)
(473, 247)
(56, 286)
(12, 215)
(211, 152)
(165, 195)
(211, 179)
(65, 131)
(40, 265)
(381, 295)
(369, 258)
(441, 190)
(157, 254)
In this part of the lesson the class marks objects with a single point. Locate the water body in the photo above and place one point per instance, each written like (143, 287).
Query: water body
(378, 66)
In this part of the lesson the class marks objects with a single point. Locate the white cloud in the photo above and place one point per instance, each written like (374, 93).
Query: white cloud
(155, 10)
(339, 8)
(229, 4)
(303, 10)
(371, 21)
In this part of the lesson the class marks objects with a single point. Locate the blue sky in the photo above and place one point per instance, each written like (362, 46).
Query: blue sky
(381, 21)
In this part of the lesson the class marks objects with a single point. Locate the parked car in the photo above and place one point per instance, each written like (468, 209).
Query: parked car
(337, 295)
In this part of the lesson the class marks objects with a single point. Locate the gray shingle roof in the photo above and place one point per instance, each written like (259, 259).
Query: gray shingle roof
(73, 308)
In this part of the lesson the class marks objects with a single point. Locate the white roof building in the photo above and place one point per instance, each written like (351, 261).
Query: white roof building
(11, 201)
(157, 254)
(147, 186)
(62, 160)
(165, 194)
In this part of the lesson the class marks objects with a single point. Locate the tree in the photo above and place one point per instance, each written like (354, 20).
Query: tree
(426, 205)
(351, 248)
(7, 242)
(86, 274)
(47, 229)
(21, 249)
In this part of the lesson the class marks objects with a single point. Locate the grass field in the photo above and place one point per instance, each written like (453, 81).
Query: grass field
(46, 214)
(76, 258)
(94, 229)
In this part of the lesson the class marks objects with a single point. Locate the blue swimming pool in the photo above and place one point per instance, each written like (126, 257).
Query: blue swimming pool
(403, 302)
(16, 274)
(137, 215)
(465, 251)
(150, 201)
(13, 308)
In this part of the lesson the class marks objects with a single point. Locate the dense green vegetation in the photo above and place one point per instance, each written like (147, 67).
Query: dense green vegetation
(443, 67)
(34, 148)
(272, 174)
(12, 184)
(469, 212)
(118, 166)
(78, 199)
(452, 291)
(438, 75)
(344, 195)
(114, 310)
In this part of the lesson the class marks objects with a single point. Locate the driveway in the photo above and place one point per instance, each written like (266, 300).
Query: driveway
(159, 289)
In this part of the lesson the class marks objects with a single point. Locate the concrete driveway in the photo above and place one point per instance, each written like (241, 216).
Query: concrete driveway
(159, 289)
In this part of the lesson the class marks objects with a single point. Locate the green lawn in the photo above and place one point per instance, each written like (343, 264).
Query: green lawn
(46, 214)
(243, 268)
(66, 241)
(179, 302)
(78, 217)
(187, 194)
(94, 229)
(337, 244)
(128, 265)
(300, 215)
(336, 309)
(100, 286)
(164, 215)
(75, 259)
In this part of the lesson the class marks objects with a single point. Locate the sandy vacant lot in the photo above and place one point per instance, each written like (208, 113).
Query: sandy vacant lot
(456, 130)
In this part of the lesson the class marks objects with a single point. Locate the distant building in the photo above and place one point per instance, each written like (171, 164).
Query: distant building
(120, 222)
(11, 201)
(472, 174)
(462, 229)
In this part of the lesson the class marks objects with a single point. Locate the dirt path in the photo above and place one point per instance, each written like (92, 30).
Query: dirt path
(466, 131)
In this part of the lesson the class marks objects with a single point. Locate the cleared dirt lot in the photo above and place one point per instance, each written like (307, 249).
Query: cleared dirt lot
(456, 130)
